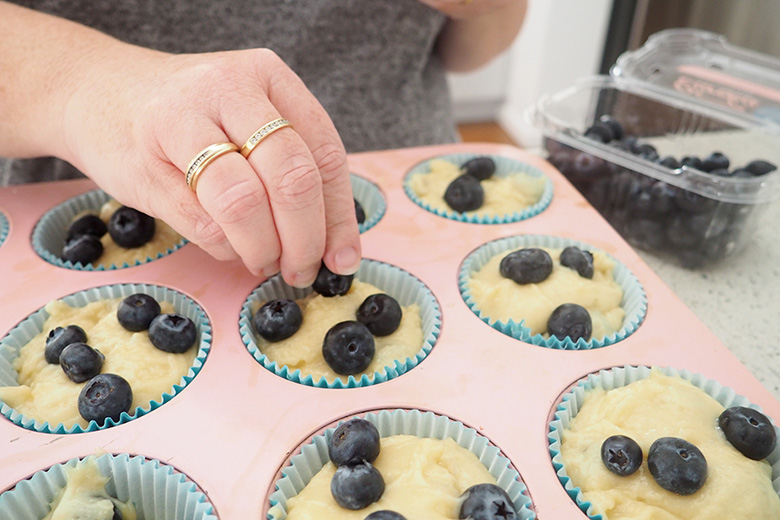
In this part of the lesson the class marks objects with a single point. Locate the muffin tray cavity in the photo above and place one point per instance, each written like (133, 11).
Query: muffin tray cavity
(231, 441)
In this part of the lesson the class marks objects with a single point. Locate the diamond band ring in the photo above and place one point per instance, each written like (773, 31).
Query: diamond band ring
(263, 132)
(204, 158)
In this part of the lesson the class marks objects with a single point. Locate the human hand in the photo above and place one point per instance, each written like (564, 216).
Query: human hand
(135, 118)
(465, 8)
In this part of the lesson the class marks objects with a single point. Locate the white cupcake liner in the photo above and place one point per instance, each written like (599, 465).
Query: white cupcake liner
(313, 455)
(617, 377)
(401, 285)
(156, 490)
(48, 237)
(504, 167)
(3, 227)
(31, 326)
(370, 197)
(634, 299)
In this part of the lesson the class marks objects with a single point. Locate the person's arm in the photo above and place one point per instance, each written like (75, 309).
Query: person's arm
(477, 30)
(132, 119)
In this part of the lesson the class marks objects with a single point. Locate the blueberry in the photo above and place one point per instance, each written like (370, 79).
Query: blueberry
(529, 265)
(600, 131)
(691, 161)
(677, 465)
(360, 213)
(348, 347)
(760, 167)
(59, 338)
(621, 455)
(662, 197)
(381, 313)
(714, 161)
(579, 260)
(480, 168)
(693, 202)
(105, 396)
(117, 514)
(724, 172)
(587, 167)
(278, 319)
(465, 193)
(385, 514)
(172, 333)
(82, 249)
(330, 284)
(129, 227)
(137, 311)
(572, 320)
(356, 487)
(646, 151)
(80, 362)
(669, 162)
(614, 125)
(86, 225)
(486, 502)
(354, 441)
(749, 431)
(646, 233)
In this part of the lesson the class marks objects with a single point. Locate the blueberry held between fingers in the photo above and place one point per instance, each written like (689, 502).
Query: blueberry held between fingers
(348, 347)
(87, 225)
(486, 502)
(278, 319)
(381, 313)
(677, 465)
(137, 311)
(579, 260)
(358, 486)
(465, 193)
(621, 455)
(749, 431)
(481, 168)
(105, 396)
(354, 441)
(129, 227)
(524, 266)
(330, 284)
(80, 362)
(82, 249)
(572, 320)
(172, 333)
(59, 338)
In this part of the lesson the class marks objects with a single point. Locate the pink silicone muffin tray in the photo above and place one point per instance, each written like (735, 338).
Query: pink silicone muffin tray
(235, 425)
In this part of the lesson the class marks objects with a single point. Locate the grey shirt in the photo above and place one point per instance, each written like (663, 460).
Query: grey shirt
(371, 63)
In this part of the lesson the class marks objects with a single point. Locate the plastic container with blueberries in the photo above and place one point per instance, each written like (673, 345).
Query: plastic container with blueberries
(697, 162)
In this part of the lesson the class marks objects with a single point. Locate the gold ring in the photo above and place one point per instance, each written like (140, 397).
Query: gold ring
(263, 132)
(204, 158)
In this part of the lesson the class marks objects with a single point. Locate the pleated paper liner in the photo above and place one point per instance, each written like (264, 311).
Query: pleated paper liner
(634, 299)
(31, 326)
(571, 402)
(370, 198)
(156, 490)
(48, 237)
(313, 455)
(396, 282)
(504, 167)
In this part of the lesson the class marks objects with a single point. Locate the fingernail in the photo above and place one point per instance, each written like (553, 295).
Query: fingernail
(304, 279)
(347, 260)
(271, 270)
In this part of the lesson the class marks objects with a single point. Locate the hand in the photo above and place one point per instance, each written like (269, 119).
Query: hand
(136, 118)
(465, 8)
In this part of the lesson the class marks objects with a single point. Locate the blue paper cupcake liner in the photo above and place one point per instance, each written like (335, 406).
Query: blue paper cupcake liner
(370, 197)
(48, 237)
(3, 227)
(617, 377)
(504, 167)
(155, 489)
(634, 299)
(401, 285)
(31, 326)
(314, 455)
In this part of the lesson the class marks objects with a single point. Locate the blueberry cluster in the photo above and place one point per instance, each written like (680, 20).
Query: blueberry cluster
(534, 265)
(127, 227)
(465, 192)
(653, 214)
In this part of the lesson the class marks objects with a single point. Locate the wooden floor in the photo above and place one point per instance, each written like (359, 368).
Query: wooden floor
(489, 132)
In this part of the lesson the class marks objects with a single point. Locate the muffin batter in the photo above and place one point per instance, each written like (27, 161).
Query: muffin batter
(660, 406)
(424, 478)
(303, 350)
(501, 299)
(46, 394)
(503, 195)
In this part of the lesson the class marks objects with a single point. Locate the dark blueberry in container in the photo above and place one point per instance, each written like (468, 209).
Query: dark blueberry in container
(105, 396)
(356, 487)
(691, 161)
(669, 162)
(614, 125)
(360, 213)
(481, 168)
(137, 311)
(348, 347)
(693, 202)
(80, 362)
(680, 235)
(129, 227)
(662, 196)
(278, 319)
(714, 161)
(724, 172)
(677, 465)
(330, 284)
(486, 502)
(621, 455)
(572, 320)
(646, 233)
(579, 260)
(529, 265)
(82, 249)
(739, 173)
(86, 225)
(385, 514)
(381, 313)
(600, 131)
(646, 151)
(748, 430)
(354, 441)
(465, 193)
(760, 167)
(59, 338)
(172, 333)
(631, 142)
(588, 167)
